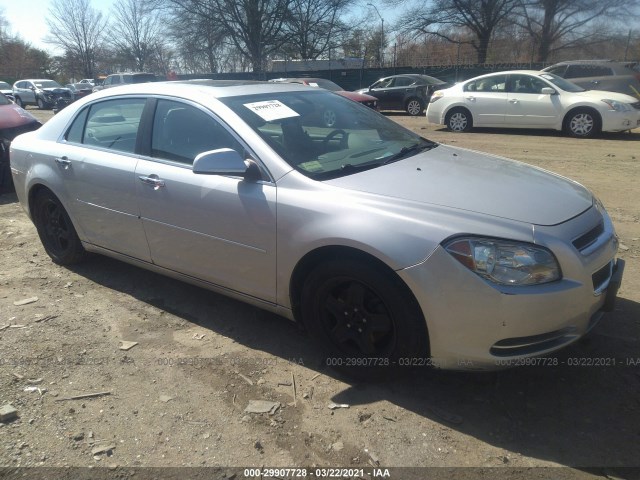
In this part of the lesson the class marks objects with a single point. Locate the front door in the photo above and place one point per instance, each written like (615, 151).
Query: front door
(220, 229)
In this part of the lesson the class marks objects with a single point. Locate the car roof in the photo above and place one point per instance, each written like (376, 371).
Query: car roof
(213, 88)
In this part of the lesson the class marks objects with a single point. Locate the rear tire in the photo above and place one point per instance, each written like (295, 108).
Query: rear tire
(459, 120)
(414, 107)
(56, 232)
(367, 320)
(19, 102)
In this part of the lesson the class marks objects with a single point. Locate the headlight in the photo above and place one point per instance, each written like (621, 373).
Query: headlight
(437, 95)
(505, 262)
(617, 106)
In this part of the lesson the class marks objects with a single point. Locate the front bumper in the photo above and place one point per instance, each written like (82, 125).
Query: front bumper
(475, 324)
(620, 121)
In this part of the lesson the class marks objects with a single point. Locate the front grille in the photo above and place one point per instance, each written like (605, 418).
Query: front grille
(601, 278)
(589, 238)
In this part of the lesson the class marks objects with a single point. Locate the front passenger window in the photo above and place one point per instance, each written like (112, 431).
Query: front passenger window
(181, 132)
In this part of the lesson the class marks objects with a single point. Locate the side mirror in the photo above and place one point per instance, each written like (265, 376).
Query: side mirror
(225, 161)
(547, 91)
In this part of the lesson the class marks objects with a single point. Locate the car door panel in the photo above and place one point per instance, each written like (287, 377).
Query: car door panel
(533, 110)
(487, 108)
(102, 170)
(106, 201)
(486, 99)
(216, 228)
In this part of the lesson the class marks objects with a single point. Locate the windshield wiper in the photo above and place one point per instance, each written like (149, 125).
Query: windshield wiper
(349, 167)
(408, 151)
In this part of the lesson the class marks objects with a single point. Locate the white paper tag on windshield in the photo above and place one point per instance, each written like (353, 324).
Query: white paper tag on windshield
(271, 110)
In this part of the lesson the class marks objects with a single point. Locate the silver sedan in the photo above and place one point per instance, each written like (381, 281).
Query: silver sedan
(391, 249)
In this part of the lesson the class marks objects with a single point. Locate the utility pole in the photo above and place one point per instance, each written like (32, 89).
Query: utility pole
(381, 35)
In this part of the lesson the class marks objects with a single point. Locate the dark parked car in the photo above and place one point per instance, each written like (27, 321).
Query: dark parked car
(41, 92)
(622, 77)
(79, 90)
(410, 92)
(329, 117)
(13, 121)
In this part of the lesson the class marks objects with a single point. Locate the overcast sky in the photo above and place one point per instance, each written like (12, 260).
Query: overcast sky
(27, 18)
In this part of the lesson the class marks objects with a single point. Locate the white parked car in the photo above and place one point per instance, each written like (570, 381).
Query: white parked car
(531, 99)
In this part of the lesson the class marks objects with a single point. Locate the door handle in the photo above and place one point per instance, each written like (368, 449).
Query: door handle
(595, 82)
(152, 180)
(63, 161)
(470, 97)
(513, 100)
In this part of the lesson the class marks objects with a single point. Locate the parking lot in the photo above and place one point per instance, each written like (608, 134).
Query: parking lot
(178, 397)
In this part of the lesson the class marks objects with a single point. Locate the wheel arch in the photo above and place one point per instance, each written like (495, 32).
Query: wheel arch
(312, 259)
(578, 108)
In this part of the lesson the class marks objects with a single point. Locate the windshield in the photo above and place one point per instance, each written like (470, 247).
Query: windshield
(5, 86)
(294, 125)
(561, 83)
(47, 84)
(4, 100)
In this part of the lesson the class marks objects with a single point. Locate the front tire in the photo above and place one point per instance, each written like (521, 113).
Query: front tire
(414, 107)
(41, 104)
(582, 123)
(366, 318)
(459, 120)
(56, 232)
(19, 102)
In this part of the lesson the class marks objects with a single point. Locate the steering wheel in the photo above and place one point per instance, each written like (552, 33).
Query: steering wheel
(334, 133)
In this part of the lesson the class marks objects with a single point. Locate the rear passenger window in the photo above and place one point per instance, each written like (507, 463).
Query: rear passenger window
(580, 71)
(112, 124)
(181, 132)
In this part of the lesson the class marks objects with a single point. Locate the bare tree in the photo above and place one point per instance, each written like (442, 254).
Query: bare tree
(136, 30)
(254, 27)
(451, 19)
(200, 39)
(76, 28)
(313, 26)
(555, 25)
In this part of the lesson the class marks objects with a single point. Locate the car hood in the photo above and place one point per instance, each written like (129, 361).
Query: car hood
(476, 182)
(13, 116)
(56, 90)
(357, 97)
(596, 95)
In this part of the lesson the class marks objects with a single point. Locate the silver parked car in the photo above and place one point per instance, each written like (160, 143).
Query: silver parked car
(391, 249)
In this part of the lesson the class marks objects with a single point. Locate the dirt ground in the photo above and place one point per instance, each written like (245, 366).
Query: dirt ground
(178, 397)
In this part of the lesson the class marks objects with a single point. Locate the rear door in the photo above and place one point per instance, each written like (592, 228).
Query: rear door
(486, 99)
(98, 163)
